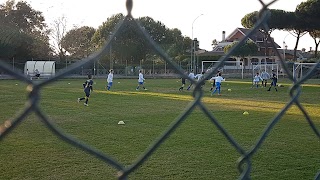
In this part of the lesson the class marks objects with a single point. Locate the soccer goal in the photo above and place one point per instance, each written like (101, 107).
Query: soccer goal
(269, 68)
(301, 69)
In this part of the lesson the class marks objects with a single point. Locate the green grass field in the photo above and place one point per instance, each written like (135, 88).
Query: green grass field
(196, 150)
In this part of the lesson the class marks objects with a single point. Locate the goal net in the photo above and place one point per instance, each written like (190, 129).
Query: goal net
(269, 68)
(301, 69)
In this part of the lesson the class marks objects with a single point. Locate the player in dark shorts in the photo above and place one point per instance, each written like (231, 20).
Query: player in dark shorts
(274, 82)
(87, 88)
(183, 83)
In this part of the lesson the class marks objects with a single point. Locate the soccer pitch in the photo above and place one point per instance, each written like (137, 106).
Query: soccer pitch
(195, 150)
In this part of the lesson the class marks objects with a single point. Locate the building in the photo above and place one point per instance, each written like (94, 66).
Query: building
(266, 52)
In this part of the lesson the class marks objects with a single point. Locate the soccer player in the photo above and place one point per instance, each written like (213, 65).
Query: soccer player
(214, 81)
(256, 80)
(218, 79)
(274, 82)
(191, 76)
(265, 76)
(183, 83)
(87, 88)
(110, 79)
(199, 77)
(140, 81)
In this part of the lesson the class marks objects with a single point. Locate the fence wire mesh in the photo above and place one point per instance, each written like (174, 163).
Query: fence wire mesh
(244, 162)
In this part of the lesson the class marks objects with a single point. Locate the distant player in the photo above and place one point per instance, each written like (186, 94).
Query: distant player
(191, 76)
(265, 76)
(140, 81)
(110, 79)
(87, 88)
(199, 77)
(256, 79)
(183, 83)
(274, 82)
(37, 73)
(214, 81)
(218, 79)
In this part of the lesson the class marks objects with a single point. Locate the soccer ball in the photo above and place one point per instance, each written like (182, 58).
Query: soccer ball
(229, 89)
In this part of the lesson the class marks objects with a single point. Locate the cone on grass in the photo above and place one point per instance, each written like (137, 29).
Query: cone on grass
(245, 113)
(121, 122)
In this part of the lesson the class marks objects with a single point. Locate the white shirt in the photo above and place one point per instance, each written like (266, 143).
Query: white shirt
(191, 75)
(257, 78)
(110, 77)
(218, 79)
(265, 75)
(199, 76)
(141, 79)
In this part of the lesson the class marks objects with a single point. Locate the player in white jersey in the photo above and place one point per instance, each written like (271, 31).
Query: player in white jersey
(256, 79)
(218, 79)
(141, 81)
(191, 76)
(110, 79)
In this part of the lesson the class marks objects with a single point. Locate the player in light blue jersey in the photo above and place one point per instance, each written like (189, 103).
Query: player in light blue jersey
(257, 78)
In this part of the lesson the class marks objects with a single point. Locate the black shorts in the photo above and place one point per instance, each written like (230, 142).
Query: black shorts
(87, 92)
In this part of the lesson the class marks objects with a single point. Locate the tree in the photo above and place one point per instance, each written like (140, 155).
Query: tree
(57, 33)
(315, 34)
(249, 48)
(77, 42)
(277, 20)
(309, 11)
(129, 45)
(298, 28)
(28, 24)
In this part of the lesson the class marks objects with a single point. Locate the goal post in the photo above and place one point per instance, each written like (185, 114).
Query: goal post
(301, 69)
(269, 68)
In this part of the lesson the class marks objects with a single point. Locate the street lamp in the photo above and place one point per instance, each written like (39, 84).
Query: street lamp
(284, 50)
(192, 43)
(284, 47)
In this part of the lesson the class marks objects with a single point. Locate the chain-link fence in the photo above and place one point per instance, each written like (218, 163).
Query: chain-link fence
(244, 164)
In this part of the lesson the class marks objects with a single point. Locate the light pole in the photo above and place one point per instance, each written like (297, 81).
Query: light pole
(192, 43)
(285, 47)
(110, 53)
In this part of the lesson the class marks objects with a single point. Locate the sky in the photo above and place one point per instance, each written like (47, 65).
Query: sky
(201, 19)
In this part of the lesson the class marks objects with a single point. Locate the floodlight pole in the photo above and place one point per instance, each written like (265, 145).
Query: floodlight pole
(192, 44)
(110, 53)
(285, 46)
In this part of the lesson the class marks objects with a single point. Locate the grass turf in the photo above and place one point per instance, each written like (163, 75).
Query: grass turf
(196, 150)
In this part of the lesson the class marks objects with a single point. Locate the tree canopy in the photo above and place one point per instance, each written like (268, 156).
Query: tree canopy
(23, 31)
(249, 48)
(77, 42)
(128, 45)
